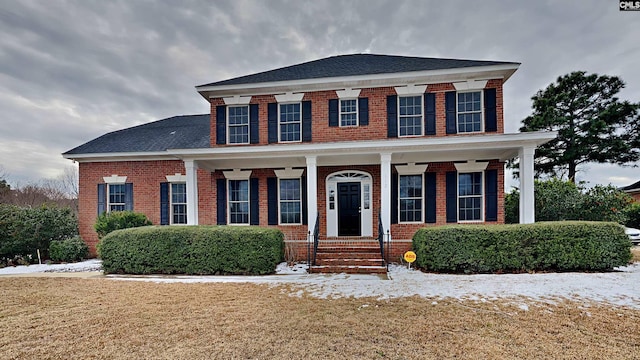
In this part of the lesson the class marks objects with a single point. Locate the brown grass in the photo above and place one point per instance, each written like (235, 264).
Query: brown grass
(635, 251)
(64, 318)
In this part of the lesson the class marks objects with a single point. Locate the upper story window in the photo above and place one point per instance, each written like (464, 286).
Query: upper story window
(238, 124)
(178, 203)
(410, 115)
(348, 112)
(238, 201)
(411, 195)
(469, 111)
(116, 197)
(290, 122)
(470, 196)
(290, 201)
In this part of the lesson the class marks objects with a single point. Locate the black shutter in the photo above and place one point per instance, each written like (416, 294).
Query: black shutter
(392, 116)
(128, 196)
(272, 200)
(490, 114)
(363, 111)
(164, 203)
(333, 112)
(491, 195)
(305, 203)
(450, 107)
(306, 121)
(254, 201)
(394, 198)
(254, 124)
(430, 114)
(430, 197)
(222, 201)
(221, 124)
(272, 122)
(452, 196)
(102, 198)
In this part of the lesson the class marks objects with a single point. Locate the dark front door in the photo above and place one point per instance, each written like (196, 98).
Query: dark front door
(349, 209)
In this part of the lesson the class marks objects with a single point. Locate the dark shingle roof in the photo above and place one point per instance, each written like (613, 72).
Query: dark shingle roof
(178, 132)
(634, 186)
(355, 65)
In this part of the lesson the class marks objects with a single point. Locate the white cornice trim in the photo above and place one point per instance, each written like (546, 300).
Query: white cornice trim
(115, 179)
(471, 166)
(289, 173)
(348, 93)
(237, 174)
(470, 85)
(176, 178)
(411, 169)
(237, 100)
(410, 89)
(289, 97)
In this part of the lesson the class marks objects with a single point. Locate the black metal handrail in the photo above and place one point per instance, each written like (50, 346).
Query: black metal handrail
(384, 245)
(316, 232)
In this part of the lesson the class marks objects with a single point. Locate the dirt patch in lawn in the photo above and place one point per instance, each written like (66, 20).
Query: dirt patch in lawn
(635, 251)
(100, 318)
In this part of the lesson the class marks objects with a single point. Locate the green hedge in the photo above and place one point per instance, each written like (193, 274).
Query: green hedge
(202, 250)
(550, 246)
(116, 220)
(68, 250)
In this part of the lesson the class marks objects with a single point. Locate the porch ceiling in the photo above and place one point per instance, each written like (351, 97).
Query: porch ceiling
(407, 150)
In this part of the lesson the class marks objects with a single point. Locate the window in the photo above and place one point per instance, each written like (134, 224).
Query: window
(410, 115)
(290, 122)
(349, 112)
(116, 197)
(238, 201)
(290, 201)
(178, 203)
(410, 198)
(470, 111)
(470, 197)
(238, 124)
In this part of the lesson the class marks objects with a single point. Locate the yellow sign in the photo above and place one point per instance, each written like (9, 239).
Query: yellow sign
(409, 257)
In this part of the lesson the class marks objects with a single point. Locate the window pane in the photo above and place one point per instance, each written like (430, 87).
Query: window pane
(410, 117)
(470, 196)
(178, 193)
(179, 214)
(410, 198)
(469, 112)
(290, 201)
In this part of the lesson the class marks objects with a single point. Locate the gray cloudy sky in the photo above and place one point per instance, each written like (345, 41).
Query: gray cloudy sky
(73, 70)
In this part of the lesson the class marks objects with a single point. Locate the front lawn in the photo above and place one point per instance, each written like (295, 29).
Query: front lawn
(103, 318)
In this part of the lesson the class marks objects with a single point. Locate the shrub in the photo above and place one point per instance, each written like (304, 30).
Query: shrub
(68, 250)
(25, 230)
(605, 203)
(633, 215)
(202, 250)
(116, 220)
(551, 246)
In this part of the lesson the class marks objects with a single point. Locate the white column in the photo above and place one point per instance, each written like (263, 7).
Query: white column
(312, 191)
(385, 190)
(192, 192)
(527, 203)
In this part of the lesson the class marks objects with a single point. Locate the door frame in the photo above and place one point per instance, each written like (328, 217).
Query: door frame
(366, 200)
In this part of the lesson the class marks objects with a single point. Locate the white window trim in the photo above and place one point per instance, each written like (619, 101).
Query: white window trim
(421, 115)
(115, 179)
(229, 202)
(482, 188)
(279, 123)
(481, 112)
(421, 197)
(340, 113)
(171, 203)
(248, 124)
(280, 200)
(109, 203)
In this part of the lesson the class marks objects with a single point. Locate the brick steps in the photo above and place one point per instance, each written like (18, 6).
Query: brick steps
(351, 255)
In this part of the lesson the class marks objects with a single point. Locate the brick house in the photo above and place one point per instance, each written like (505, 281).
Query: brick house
(356, 142)
(633, 190)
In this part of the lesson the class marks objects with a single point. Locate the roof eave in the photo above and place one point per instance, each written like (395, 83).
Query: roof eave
(503, 71)
(120, 156)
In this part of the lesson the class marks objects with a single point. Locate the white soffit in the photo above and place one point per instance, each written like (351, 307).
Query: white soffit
(410, 89)
(348, 93)
(470, 85)
(177, 178)
(237, 100)
(115, 179)
(237, 174)
(471, 166)
(411, 169)
(289, 173)
(289, 97)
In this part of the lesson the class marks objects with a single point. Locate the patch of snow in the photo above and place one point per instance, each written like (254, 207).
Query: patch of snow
(284, 269)
(83, 266)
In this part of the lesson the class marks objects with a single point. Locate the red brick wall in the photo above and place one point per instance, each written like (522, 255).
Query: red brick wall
(377, 128)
